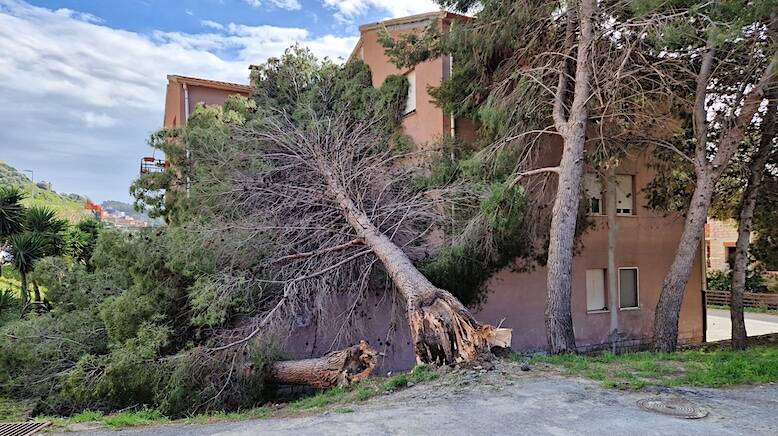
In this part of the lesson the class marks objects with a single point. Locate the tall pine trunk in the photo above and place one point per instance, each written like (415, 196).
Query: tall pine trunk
(747, 207)
(558, 316)
(669, 307)
(443, 330)
(708, 171)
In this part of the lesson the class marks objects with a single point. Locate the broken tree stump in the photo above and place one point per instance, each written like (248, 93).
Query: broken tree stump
(338, 368)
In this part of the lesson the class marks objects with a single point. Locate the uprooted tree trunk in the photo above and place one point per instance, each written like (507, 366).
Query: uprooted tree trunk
(338, 368)
(443, 330)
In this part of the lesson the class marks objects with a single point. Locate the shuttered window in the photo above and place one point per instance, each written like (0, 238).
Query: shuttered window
(624, 195)
(595, 290)
(410, 105)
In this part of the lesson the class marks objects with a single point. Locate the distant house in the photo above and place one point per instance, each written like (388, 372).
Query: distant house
(646, 243)
(720, 240)
(185, 93)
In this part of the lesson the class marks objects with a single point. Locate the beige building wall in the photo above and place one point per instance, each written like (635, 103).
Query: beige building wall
(720, 239)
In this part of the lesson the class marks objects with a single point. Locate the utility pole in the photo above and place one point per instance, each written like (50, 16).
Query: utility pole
(32, 177)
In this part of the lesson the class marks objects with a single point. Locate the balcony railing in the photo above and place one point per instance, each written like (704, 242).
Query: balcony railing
(152, 165)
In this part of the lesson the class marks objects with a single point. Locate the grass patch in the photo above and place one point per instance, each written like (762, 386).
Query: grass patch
(363, 391)
(703, 368)
(87, 416)
(13, 410)
(339, 400)
(132, 419)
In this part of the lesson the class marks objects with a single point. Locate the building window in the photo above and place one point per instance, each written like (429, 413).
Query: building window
(624, 195)
(628, 288)
(595, 290)
(410, 104)
(593, 188)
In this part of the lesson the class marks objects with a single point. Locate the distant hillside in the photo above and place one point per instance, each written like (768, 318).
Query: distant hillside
(69, 206)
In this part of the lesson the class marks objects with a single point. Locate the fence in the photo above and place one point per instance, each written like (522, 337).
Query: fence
(750, 299)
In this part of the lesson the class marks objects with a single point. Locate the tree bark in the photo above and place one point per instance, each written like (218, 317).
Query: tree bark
(443, 330)
(747, 207)
(338, 368)
(558, 317)
(36, 291)
(669, 307)
(708, 174)
(25, 293)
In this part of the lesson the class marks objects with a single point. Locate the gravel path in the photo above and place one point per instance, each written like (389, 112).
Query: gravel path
(508, 402)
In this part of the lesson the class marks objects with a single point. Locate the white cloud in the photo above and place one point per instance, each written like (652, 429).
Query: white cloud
(348, 10)
(58, 63)
(100, 120)
(212, 24)
(83, 16)
(290, 5)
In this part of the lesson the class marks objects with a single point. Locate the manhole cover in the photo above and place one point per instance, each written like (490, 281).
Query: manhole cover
(677, 407)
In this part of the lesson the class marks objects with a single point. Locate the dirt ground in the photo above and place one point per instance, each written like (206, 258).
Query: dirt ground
(510, 401)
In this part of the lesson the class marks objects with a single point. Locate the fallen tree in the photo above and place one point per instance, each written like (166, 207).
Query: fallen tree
(314, 175)
(338, 368)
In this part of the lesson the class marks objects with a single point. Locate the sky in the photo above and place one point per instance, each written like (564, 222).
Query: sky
(82, 83)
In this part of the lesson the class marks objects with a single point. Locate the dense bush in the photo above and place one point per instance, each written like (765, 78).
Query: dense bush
(722, 281)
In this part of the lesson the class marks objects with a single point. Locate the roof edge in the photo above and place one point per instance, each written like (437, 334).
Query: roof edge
(208, 83)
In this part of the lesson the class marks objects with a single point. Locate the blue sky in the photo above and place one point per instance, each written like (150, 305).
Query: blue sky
(82, 82)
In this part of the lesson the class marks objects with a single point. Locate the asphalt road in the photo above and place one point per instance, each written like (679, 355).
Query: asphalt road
(720, 326)
(533, 406)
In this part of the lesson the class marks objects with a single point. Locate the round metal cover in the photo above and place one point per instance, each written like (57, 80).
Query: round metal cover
(677, 407)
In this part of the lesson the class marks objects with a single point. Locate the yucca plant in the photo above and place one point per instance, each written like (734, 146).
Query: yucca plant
(44, 222)
(27, 248)
(11, 211)
(11, 214)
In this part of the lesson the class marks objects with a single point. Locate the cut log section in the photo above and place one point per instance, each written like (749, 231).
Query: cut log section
(338, 368)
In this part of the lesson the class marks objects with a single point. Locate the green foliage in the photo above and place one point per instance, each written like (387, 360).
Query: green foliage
(132, 419)
(44, 222)
(27, 249)
(493, 238)
(722, 281)
(11, 211)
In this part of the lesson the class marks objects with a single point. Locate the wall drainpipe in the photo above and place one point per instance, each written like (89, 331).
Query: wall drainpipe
(188, 151)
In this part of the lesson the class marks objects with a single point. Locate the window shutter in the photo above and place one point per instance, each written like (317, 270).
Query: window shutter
(624, 197)
(595, 289)
(410, 104)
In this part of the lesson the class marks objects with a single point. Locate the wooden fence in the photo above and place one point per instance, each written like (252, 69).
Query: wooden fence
(750, 299)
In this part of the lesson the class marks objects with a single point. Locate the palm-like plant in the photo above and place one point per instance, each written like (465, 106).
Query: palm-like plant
(11, 214)
(11, 211)
(44, 222)
(27, 248)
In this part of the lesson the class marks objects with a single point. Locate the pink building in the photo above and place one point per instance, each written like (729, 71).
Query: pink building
(646, 240)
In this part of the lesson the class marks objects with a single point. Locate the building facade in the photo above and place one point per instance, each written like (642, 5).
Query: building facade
(646, 240)
(185, 93)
